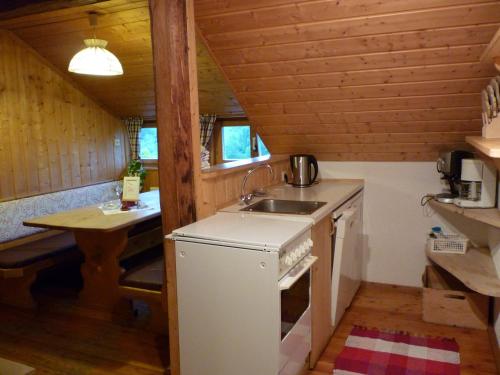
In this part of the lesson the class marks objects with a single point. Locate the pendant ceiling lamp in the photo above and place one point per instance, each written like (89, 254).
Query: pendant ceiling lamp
(95, 59)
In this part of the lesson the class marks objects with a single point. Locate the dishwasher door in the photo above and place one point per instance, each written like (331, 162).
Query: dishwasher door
(347, 260)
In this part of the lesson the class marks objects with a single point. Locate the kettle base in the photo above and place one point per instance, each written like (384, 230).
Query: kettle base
(303, 186)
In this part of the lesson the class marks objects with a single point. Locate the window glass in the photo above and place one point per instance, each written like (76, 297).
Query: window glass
(236, 142)
(263, 151)
(148, 141)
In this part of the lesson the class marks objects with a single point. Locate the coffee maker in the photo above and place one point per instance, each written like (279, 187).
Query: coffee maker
(449, 165)
(478, 184)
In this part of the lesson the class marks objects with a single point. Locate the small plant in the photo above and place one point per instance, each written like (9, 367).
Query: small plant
(136, 169)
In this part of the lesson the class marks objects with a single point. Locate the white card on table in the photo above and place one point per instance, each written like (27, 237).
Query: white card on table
(131, 188)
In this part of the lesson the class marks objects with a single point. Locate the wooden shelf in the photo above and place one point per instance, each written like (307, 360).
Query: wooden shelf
(490, 216)
(475, 269)
(489, 147)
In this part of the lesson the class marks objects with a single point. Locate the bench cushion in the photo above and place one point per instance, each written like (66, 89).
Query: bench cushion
(32, 252)
(147, 276)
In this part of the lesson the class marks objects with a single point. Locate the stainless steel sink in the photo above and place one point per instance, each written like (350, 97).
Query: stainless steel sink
(280, 206)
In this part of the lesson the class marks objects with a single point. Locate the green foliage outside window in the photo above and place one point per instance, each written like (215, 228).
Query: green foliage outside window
(263, 151)
(148, 141)
(236, 142)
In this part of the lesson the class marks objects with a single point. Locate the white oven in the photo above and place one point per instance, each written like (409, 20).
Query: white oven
(243, 293)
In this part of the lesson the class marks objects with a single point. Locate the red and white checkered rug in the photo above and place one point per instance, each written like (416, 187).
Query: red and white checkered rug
(374, 352)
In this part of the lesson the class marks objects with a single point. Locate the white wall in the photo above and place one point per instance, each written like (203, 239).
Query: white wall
(394, 222)
(395, 225)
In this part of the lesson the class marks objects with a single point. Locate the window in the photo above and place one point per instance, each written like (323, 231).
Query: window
(263, 151)
(148, 141)
(236, 142)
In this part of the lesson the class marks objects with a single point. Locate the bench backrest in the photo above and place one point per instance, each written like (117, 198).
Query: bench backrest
(13, 213)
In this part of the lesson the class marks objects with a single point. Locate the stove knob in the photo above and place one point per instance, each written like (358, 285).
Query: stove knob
(288, 260)
(310, 242)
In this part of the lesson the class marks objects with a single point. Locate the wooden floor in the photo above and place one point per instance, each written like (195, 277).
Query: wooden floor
(399, 308)
(58, 339)
(55, 342)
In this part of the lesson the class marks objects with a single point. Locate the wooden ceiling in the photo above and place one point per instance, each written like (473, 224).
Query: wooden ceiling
(355, 79)
(58, 35)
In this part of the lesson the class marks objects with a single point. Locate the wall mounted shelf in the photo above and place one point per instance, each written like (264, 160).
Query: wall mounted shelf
(475, 269)
(490, 216)
(492, 50)
(488, 146)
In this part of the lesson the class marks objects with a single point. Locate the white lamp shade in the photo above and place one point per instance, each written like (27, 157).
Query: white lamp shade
(95, 60)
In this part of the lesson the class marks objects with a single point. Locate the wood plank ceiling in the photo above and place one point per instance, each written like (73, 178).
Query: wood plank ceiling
(355, 79)
(125, 24)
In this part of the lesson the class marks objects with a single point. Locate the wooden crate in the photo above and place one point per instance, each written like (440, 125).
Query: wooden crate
(447, 301)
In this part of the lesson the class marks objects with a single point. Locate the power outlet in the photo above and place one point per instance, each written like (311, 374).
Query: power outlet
(117, 142)
(283, 176)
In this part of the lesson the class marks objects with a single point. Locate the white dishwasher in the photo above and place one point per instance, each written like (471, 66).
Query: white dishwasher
(346, 254)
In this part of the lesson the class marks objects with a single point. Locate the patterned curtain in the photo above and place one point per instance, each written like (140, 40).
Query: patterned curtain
(206, 128)
(134, 125)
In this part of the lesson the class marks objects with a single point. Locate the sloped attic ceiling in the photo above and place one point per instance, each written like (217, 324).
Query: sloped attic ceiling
(355, 79)
(58, 35)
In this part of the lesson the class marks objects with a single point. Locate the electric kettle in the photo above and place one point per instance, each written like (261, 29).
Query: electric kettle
(301, 170)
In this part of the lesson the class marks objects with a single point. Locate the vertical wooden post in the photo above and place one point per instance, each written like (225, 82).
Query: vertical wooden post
(176, 88)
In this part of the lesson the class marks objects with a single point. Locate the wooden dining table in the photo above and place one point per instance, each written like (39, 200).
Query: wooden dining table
(101, 238)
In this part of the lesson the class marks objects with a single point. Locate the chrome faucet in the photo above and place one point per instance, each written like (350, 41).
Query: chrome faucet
(247, 198)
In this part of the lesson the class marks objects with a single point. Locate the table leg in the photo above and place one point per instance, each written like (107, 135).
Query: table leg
(101, 269)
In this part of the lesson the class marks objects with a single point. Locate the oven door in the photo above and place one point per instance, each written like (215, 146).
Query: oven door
(295, 291)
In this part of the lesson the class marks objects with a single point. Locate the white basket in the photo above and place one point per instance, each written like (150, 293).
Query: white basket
(448, 243)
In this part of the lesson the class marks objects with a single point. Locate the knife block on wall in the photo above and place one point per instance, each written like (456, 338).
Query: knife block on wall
(492, 130)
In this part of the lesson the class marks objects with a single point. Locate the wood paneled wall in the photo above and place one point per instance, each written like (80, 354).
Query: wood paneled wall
(53, 137)
(221, 187)
(355, 79)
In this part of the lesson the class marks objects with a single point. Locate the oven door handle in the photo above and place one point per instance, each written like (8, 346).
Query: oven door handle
(297, 272)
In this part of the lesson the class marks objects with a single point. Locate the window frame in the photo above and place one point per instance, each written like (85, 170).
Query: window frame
(216, 152)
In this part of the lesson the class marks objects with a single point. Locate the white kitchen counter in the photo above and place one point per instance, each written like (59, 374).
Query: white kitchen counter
(333, 192)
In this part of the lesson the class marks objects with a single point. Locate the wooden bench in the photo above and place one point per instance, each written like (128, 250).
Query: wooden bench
(19, 266)
(141, 237)
(145, 282)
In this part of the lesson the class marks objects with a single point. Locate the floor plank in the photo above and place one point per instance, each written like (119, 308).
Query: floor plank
(56, 342)
(55, 339)
(400, 308)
